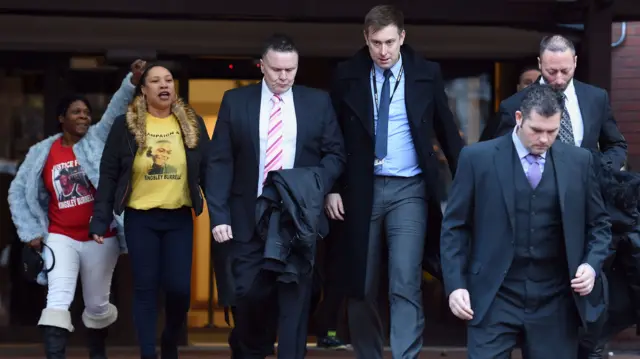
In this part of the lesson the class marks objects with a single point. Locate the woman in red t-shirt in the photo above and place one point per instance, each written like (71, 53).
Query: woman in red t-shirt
(51, 201)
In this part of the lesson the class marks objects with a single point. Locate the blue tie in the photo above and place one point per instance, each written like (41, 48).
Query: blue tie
(382, 130)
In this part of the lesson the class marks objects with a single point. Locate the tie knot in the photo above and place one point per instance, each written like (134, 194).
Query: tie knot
(276, 98)
(387, 73)
(531, 158)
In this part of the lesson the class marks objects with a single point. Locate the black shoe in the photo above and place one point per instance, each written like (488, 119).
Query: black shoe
(598, 352)
(168, 347)
(96, 343)
(330, 342)
(55, 342)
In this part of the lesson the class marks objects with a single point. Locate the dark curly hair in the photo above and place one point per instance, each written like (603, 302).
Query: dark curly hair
(66, 101)
(620, 189)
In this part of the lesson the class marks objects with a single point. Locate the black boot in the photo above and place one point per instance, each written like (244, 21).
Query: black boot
(55, 342)
(96, 343)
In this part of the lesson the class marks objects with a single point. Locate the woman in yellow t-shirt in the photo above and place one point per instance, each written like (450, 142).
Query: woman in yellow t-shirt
(151, 169)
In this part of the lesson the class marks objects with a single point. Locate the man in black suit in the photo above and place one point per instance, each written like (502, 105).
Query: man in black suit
(390, 103)
(524, 237)
(587, 120)
(266, 127)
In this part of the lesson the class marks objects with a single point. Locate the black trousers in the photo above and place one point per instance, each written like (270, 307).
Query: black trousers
(327, 313)
(266, 309)
(547, 331)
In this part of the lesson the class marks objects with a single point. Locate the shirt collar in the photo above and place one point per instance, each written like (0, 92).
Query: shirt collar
(522, 151)
(267, 94)
(569, 92)
(395, 69)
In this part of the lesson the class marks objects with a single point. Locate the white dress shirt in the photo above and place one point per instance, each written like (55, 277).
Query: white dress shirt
(289, 129)
(573, 107)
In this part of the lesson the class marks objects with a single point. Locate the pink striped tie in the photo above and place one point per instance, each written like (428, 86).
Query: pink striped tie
(273, 160)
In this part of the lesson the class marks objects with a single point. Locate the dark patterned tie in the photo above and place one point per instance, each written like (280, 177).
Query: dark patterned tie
(566, 130)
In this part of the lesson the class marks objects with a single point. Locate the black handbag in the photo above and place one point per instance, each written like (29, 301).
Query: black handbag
(33, 263)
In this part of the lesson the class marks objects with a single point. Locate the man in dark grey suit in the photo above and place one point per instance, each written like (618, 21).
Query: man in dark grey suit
(524, 237)
(391, 104)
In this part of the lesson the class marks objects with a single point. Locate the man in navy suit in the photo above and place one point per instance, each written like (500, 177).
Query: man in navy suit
(261, 128)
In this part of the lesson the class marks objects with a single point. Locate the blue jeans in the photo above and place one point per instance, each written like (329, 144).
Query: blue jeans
(160, 244)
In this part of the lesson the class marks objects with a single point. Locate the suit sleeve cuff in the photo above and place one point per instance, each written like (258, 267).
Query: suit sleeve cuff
(456, 284)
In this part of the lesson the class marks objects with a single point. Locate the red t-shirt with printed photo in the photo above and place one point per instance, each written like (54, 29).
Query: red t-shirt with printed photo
(71, 194)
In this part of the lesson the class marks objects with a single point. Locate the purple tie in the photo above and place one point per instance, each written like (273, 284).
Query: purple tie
(534, 174)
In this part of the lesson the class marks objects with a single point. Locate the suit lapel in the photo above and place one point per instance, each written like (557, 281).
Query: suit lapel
(355, 78)
(503, 161)
(253, 118)
(360, 100)
(418, 87)
(584, 101)
(563, 176)
(301, 125)
(563, 168)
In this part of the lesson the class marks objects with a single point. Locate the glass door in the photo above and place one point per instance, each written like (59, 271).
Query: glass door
(22, 118)
(202, 82)
(469, 88)
(205, 96)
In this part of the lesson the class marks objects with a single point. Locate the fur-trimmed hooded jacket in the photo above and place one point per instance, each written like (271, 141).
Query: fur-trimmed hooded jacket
(28, 196)
(127, 137)
(621, 193)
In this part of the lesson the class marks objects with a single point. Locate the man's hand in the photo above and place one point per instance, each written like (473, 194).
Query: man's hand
(222, 233)
(584, 280)
(460, 304)
(98, 239)
(36, 243)
(333, 206)
(137, 68)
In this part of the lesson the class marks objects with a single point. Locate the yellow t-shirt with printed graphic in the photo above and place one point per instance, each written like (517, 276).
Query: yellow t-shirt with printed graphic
(159, 178)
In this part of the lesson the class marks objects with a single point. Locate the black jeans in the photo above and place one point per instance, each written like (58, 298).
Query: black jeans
(160, 244)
